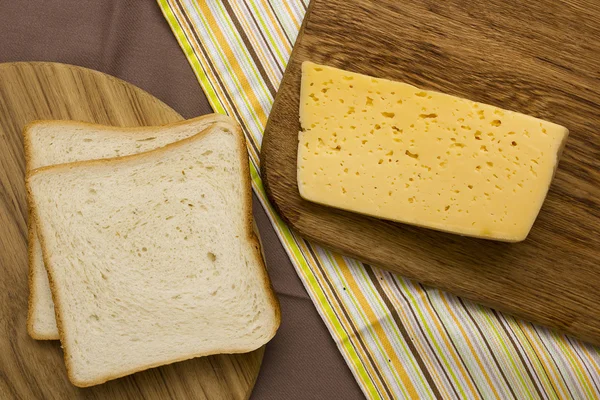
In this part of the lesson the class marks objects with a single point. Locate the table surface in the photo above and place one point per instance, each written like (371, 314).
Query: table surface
(131, 40)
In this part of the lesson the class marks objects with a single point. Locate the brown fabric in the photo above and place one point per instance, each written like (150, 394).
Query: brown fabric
(131, 40)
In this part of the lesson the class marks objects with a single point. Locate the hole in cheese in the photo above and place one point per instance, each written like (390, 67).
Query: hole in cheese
(412, 155)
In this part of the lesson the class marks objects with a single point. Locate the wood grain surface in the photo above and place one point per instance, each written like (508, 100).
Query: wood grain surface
(541, 58)
(31, 369)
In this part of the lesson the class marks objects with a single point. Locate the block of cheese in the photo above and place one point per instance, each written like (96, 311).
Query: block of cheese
(397, 152)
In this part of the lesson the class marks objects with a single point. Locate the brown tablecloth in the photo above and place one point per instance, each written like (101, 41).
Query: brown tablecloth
(132, 41)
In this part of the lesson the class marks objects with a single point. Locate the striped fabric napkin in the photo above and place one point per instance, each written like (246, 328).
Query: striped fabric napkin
(400, 339)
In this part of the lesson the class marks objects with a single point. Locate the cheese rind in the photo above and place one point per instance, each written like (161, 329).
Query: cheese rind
(393, 151)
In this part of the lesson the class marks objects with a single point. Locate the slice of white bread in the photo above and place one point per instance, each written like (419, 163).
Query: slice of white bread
(152, 257)
(58, 142)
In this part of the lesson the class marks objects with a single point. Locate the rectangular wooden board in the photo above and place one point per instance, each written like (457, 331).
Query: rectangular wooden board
(541, 58)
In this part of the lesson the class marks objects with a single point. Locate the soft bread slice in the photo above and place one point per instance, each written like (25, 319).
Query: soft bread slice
(152, 257)
(59, 142)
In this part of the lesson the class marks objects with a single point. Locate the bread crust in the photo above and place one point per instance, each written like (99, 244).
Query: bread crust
(31, 231)
(230, 126)
(120, 129)
(31, 234)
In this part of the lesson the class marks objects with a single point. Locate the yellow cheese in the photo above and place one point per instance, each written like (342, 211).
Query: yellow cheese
(396, 152)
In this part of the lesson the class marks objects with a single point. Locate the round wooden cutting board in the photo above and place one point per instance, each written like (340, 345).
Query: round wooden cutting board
(35, 369)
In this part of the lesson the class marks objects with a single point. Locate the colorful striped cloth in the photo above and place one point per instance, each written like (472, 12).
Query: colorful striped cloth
(400, 339)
